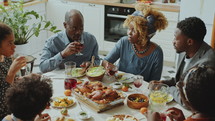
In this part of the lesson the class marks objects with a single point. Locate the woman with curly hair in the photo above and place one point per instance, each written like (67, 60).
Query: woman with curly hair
(136, 53)
(196, 89)
(28, 97)
(8, 67)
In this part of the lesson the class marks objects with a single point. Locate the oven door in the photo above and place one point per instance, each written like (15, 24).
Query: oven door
(114, 29)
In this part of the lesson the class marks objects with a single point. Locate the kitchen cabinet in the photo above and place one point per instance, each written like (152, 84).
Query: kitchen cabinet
(164, 38)
(203, 9)
(94, 21)
(56, 10)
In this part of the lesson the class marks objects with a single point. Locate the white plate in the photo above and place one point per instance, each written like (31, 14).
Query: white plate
(76, 72)
(127, 78)
(169, 98)
(61, 97)
(116, 85)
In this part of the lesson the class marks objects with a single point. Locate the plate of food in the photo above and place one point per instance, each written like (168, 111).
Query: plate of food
(122, 117)
(127, 78)
(62, 102)
(77, 72)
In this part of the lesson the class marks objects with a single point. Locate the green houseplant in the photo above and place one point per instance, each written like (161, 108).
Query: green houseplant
(17, 18)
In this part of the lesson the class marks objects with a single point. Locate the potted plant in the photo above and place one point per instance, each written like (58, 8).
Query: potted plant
(17, 18)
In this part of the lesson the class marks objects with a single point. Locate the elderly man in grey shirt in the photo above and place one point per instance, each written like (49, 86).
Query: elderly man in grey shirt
(189, 36)
(65, 45)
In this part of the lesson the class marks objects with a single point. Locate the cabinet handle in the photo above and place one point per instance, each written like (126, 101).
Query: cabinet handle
(92, 5)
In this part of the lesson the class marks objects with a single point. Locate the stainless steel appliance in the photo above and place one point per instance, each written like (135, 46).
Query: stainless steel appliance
(114, 18)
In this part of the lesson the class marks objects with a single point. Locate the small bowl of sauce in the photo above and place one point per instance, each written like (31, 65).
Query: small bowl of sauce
(84, 115)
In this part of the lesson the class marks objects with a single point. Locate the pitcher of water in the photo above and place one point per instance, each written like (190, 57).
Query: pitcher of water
(158, 97)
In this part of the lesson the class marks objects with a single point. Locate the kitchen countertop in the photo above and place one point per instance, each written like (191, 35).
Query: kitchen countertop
(33, 2)
(170, 7)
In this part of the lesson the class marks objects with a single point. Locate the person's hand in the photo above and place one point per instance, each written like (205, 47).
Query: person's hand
(153, 116)
(175, 114)
(72, 48)
(17, 64)
(109, 66)
(85, 64)
(154, 82)
(43, 117)
(111, 69)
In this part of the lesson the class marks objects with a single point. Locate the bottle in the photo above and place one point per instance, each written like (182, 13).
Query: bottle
(164, 1)
(5, 2)
(172, 1)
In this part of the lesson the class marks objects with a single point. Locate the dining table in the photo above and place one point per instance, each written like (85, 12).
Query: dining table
(58, 76)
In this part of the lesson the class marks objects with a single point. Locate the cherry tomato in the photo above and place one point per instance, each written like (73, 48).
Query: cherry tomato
(67, 92)
(124, 88)
(143, 110)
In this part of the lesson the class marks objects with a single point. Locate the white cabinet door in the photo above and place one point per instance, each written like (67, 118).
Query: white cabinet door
(165, 37)
(94, 21)
(56, 10)
(203, 9)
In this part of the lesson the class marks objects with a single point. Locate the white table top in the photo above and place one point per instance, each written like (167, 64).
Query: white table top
(58, 90)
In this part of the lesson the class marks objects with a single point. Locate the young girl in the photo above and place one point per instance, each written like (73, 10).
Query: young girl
(8, 68)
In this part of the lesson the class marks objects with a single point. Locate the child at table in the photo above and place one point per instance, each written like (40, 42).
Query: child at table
(28, 97)
(197, 93)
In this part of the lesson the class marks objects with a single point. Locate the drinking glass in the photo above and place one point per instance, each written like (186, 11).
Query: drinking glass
(158, 97)
(69, 66)
(69, 81)
(81, 41)
(111, 71)
(25, 70)
(138, 80)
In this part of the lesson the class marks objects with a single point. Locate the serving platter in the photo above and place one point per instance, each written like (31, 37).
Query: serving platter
(99, 105)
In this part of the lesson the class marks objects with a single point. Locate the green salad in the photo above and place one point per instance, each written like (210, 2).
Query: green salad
(96, 71)
(77, 72)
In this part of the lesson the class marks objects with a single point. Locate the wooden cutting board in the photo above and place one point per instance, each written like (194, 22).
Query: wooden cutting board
(99, 107)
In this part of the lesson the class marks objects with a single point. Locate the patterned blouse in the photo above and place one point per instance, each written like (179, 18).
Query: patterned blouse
(4, 67)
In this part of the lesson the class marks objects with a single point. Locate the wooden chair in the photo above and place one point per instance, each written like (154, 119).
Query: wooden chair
(213, 35)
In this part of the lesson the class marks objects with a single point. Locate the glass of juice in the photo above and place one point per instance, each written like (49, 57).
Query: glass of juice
(70, 83)
(138, 80)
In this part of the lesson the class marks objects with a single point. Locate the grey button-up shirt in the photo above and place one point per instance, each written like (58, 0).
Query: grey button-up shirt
(52, 59)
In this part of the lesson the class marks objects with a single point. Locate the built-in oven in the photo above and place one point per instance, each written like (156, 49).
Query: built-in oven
(114, 18)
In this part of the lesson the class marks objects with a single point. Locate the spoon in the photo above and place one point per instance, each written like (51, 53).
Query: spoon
(92, 61)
